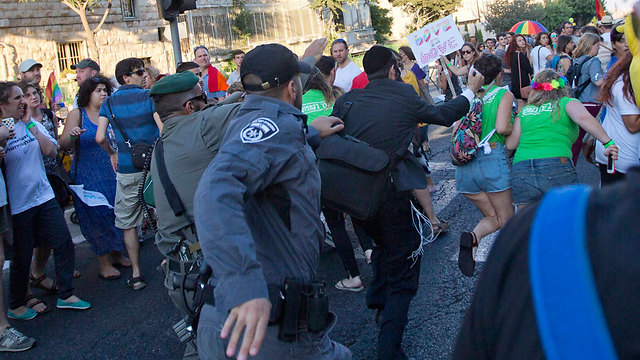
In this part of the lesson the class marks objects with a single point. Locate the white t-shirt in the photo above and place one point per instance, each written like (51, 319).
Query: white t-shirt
(233, 77)
(344, 76)
(26, 177)
(3, 191)
(539, 57)
(627, 142)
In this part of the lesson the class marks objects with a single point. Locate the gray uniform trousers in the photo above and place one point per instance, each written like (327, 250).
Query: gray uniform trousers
(310, 346)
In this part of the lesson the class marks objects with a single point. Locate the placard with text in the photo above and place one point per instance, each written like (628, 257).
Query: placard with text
(439, 38)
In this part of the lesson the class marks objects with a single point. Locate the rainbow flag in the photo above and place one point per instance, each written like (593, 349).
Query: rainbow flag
(52, 91)
(599, 10)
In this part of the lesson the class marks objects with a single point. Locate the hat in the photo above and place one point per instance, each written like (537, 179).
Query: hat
(606, 20)
(175, 83)
(376, 58)
(274, 64)
(27, 65)
(86, 63)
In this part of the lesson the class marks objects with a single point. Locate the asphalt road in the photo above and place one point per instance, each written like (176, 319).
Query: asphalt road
(124, 324)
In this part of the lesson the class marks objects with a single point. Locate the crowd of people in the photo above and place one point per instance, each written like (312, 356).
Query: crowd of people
(543, 101)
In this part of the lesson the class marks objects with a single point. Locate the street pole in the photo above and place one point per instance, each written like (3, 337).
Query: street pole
(175, 41)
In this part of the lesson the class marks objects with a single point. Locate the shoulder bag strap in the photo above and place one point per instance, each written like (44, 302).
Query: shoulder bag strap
(569, 315)
(170, 191)
(117, 123)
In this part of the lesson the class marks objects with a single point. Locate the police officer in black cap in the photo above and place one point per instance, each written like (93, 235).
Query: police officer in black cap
(257, 212)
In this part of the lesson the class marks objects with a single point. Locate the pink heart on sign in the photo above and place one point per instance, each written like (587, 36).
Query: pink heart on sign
(437, 32)
(428, 37)
(448, 28)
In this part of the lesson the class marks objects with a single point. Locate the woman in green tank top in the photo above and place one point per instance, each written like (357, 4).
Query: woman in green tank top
(542, 136)
(485, 180)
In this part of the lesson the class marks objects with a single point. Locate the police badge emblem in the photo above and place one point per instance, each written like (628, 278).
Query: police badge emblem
(258, 130)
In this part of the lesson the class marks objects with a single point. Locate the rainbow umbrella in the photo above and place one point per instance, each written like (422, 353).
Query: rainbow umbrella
(528, 27)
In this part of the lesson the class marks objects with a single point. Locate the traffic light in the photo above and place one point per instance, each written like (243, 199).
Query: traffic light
(170, 9)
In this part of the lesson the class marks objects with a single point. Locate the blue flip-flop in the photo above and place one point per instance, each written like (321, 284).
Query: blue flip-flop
(28, 315)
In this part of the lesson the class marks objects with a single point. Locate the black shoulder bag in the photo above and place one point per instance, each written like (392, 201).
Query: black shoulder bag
(140, 153)
(354, 174)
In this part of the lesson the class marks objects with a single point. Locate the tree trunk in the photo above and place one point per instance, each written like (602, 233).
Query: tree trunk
(94, 53)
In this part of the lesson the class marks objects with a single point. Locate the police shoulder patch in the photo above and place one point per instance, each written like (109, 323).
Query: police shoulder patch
(258, 130)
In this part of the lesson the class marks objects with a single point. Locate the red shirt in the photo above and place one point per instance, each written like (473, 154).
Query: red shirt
(360, 81)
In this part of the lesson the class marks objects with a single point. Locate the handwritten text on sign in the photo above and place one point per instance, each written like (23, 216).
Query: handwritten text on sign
(438, 38)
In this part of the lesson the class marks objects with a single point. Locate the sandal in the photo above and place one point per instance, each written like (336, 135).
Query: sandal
(341, 286)
(35, 303)
(137, 283)
(109, 277)
(441, 227)
(37, 283)
(466, 262)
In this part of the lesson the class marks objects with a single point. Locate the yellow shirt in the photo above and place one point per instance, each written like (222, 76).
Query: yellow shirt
(410, 79)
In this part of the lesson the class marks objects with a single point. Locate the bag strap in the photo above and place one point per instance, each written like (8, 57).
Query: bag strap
(569, 314)
(117, 123)
(170, 191)
(580, 88)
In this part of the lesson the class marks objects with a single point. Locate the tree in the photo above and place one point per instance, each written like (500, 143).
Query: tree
(555, 13)
(83, 8)
(503, 14)
(241, 17)
(479, 36)
(583, 11)
(380, 21)
(426, 11)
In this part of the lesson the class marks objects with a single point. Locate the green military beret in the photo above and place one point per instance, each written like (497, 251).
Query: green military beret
(175, 83)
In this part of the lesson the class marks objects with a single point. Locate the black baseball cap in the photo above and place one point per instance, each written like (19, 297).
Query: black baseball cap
(274, 64)
(86, 63)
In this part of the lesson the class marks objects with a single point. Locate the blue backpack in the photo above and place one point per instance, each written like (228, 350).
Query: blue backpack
(553, 63)
(569, 315)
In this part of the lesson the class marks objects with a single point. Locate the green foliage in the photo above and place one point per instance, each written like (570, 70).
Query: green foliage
(380, 21)
(582, 11)
(503, 14)
(426, 11)
(555, 13)
(241, 17)
(479, 36)
(335, 6)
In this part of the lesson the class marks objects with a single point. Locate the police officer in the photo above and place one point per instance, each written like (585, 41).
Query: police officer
(190, 139)
(257, 213)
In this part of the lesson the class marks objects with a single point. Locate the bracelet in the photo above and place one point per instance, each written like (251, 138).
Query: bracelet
(609, 143)
(72, 138)
(449, 64)
(30, 124)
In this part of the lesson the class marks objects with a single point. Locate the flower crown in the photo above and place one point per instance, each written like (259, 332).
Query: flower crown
(553, 85)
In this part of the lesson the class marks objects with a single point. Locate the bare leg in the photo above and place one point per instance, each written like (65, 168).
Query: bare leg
(106, 268)
(133, 248)
(497, 208)
(118, 259)
(39, 264)
(424, 198)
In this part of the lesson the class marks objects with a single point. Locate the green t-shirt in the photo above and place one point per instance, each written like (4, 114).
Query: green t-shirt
(546, 131)
(314, 105)
(490, 113)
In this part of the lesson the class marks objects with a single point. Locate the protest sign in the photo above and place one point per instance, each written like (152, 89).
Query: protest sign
(435, 39)
(91, 198)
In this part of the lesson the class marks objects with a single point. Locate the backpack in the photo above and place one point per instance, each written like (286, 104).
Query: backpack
(573, 77)
(553, 63)
(465, 140)
(569, 314)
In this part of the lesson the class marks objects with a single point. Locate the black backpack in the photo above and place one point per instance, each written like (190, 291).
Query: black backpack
(573, 77)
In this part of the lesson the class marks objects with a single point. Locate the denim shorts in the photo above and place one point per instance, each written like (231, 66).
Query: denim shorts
(486, 173)
(531, 179)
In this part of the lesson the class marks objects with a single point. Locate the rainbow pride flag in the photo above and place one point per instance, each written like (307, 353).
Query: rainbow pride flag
(52, 91)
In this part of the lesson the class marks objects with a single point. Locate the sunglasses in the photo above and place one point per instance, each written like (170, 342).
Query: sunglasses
(138, 72)
(465, 52)
(202, 97)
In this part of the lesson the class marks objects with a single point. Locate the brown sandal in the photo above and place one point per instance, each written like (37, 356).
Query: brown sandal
(35, 303)
(466, 263)
(37, 283)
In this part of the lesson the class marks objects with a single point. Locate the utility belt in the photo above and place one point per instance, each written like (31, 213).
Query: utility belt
(296, 307)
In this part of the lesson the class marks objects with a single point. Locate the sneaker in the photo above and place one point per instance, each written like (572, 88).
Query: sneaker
(78, 305)
(28, 315)
(11, 340)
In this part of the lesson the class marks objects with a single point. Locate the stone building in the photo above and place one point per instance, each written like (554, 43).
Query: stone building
(51, 33)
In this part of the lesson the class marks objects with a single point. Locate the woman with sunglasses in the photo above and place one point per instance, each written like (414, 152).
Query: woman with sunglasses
(554, 40)
(95, 170)
(542, 136)
(542, 52)
(519, 61)
(33, 97)
(468, 55)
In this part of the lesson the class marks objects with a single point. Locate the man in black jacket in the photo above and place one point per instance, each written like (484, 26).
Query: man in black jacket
(385, 114)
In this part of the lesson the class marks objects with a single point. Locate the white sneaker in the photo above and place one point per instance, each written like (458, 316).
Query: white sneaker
(11, 340)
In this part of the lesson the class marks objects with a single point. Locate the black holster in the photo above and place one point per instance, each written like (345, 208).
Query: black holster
(299, 306)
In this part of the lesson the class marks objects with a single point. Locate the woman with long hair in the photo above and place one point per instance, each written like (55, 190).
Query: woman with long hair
(543, 133)
(591, 74)
(96, 172)
(519, 61)
(485, 180)
(619, 47)
(542, 52)
(468, 55)
(37, 218)
(320, 96)
(622, 121)
(562, 60)
(33, 97)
